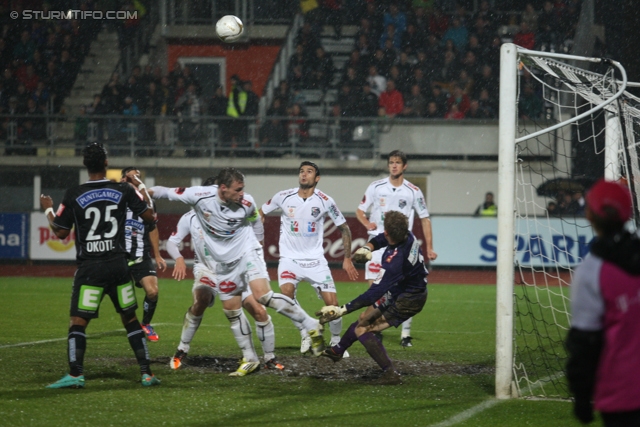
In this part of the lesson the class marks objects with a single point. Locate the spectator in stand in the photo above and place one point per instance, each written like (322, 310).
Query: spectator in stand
(402, 83)
(347, 101)
(312, 14)
(487, 14)
(466, 82)
(432, 111)
(486, 80)
(273, 134)
(392, 35)
(28, 78)
(373, 15)
(454, 113)
(217, 105)
(368, 102)
(405, 67)
(488, 105)
(23, 96)
(474, 111)
(525, 37)
(529, 104)
(457, 33)
(25, 48)
(381, 62)
(298, 118)
(391, 102)
(365, 46)
(448, 71)
(251, 109)
(470, 64)
(358, 63)
(350, 78)
(371, 35)
(438, 23)
(297, 59)
(440, 98)
(488, 208)
(377, 83)
(413, 39)
(396, 18)
(475, 46)
(548, 26)
(323, 69)
(415, 103)
(190, 108)
(459, 99)
(34, 126)
(530, 16)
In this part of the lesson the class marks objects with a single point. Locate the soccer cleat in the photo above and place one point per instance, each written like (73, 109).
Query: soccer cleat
(331, 354)
(317, 342)
(150, 332)
(273, 364)
(178, 359)
(245, 368)
(149, 380)
(388, 377)
(68, 382)
(335, 341)
(406, 342)
(305, 346)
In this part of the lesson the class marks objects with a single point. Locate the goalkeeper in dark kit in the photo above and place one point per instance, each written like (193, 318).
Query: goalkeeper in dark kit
(398, 293)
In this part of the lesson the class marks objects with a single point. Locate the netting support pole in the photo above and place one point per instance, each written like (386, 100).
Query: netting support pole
(612, 136)
(506, 220)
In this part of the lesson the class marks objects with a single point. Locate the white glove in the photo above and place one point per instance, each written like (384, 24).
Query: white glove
(362, 255)
(329, 313)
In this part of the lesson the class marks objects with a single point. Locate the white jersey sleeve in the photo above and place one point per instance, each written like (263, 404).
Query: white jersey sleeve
(368, 198)
(188, 195)
(258, 228)
(182, 230)
(275, 202)
(419, 204)
(334, 213)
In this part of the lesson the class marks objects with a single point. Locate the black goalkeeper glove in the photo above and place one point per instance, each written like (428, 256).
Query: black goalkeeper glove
(583, 410)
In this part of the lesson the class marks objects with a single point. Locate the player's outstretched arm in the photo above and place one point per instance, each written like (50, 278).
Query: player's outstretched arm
(347, 264)
(46, 203)
(428, 238)
(180, 267)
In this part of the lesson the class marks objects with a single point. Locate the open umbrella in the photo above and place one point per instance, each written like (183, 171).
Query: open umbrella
(553, 187)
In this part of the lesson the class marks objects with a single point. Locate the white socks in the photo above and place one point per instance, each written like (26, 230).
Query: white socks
(267, 336)
(190, 325)
(242, 333)
(406, 328)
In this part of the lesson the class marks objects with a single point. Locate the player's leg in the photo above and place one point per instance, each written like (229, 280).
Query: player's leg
(144, 276)
(371, 271)
(203, 297)
(264, 329)
(405, 336)
(259, 283)
(288, 279)
(241, 329)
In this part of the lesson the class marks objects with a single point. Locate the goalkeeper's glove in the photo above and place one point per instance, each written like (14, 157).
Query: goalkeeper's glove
(362, 255)
(329, 313)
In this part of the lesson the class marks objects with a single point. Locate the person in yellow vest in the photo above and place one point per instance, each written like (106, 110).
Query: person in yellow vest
(488, 208)
(235, 108)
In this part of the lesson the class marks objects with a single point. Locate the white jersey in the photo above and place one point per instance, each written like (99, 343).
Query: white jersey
(381, 196)
(190, 225)
(227, 227)
(302, 222)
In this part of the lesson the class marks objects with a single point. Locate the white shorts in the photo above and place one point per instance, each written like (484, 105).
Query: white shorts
(316, 272)
(232, 279)
(372, 268)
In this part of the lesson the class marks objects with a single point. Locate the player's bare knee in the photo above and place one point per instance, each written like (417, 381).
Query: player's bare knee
(264, 299)
(259, 313)
(232, 314)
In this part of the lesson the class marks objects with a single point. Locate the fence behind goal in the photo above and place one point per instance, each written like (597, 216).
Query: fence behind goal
(584, 128)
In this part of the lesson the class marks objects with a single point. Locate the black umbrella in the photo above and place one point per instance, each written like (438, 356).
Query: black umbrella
(553, 187)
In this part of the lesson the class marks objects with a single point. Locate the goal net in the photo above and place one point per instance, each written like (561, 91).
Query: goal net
(573, 123)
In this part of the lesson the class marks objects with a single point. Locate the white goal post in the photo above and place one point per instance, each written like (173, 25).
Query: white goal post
(536, 247)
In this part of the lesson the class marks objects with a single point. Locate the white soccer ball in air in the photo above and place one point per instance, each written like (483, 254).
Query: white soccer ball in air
(229, 28)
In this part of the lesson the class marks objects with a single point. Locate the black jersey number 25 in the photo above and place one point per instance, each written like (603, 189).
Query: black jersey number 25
(95, 215)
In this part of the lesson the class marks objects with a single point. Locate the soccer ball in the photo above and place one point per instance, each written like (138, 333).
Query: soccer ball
(229, 28)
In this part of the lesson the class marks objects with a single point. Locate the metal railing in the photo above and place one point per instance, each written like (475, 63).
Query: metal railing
(196, 137)
(207, 12)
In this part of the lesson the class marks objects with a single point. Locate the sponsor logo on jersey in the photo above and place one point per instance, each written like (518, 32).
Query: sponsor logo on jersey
(60, 209)
(311, 227)
(207, 281)
(315, 211)
(421, 203)
(322, 195)
(305, 264)
(334, 210)
(383, 201)
(206, 193)
(291, 211)
(246, 203)
(294, 226)
(383, 301)
(227, 287)
(393, 254)
(49, 238)
(134, 225)
(402, 203)
(374, 267)
(380, 275)
(180, 190)
(287, 275)
(411, 186)
(99, 195)
(364, 198)
(268, 202)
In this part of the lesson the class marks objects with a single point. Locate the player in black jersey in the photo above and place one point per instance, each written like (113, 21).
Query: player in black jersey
(140, 238)
(97, 212)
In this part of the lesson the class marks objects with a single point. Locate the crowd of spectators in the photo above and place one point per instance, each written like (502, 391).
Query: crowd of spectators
(411, 59)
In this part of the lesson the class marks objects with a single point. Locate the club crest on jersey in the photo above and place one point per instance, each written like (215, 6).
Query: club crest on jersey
(227, 287)
(206, 214)
(393, 254)
(315, 211)
(291, 211)
(402, 203)
(99, 195)
(287, 275)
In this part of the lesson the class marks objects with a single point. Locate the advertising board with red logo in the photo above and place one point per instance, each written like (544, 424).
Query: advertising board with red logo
(44, 245)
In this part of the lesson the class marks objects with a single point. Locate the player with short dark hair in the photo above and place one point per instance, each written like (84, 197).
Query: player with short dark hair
(394, 193)
(304, 209)
(97, 212)
(140, 238)
(397, 294)
(227, 215)
(604, 340)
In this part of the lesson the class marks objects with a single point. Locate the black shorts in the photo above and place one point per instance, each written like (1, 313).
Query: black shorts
(95, 279)
(403, 307)
(141, 270)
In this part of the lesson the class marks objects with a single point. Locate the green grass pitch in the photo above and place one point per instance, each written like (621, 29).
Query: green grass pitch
(448, 378)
